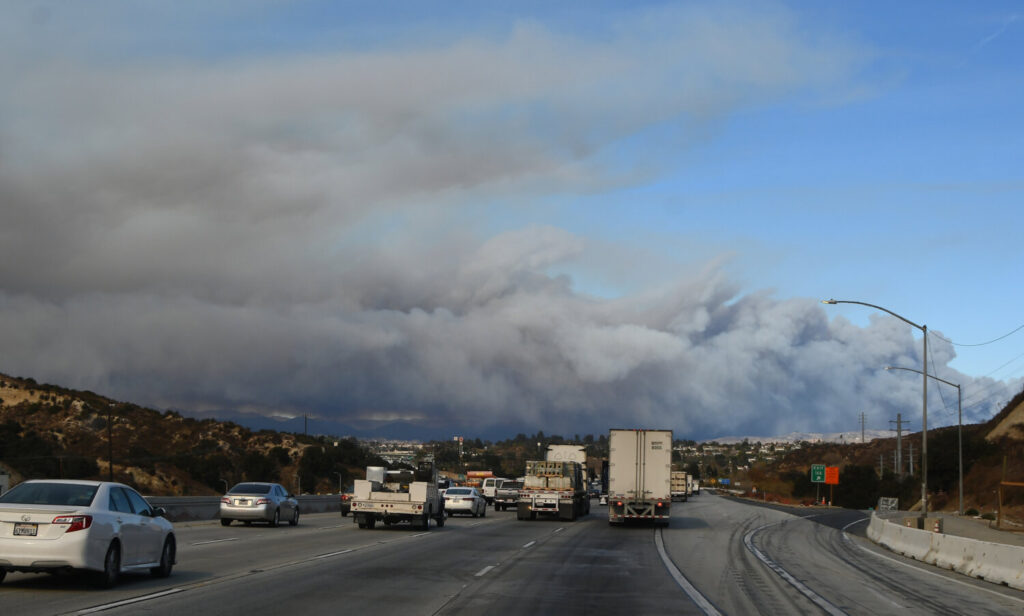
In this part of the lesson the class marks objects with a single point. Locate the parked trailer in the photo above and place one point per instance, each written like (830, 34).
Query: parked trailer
(552, 488)
(639, 476)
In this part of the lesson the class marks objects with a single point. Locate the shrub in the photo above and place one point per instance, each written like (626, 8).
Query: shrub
(971, 512)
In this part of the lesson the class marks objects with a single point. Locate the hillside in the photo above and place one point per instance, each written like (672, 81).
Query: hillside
(991, 451)
(50, 431)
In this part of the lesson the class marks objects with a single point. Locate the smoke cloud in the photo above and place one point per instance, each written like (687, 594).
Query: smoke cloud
(362, 235)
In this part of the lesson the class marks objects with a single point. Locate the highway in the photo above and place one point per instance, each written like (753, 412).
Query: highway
(718, 556)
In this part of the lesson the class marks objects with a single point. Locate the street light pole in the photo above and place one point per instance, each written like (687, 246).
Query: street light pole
(959, 429)
(924, 393)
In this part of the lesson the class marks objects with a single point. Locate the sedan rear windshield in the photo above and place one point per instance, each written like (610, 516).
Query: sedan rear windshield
(250, 488)
(459, 491)
(64, 494)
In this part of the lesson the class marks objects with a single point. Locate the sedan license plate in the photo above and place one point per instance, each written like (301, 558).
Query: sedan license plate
(26, 530)
(242, 501)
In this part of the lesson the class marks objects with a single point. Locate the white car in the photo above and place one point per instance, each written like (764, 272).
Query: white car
(100, 527)
(465, 500)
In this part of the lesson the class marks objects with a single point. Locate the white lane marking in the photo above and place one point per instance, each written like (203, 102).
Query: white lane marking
(690, 590)
(925, 571)
(214, 541)
(855, 522)
(529, 544)
(336, 526)
(110, 606)
(817, 599)
(329, 554)
(558, 530)
(484, 571)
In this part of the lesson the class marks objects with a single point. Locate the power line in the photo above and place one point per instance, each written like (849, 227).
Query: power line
(978, 343)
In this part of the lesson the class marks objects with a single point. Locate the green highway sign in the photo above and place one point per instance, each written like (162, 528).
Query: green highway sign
(817, 473)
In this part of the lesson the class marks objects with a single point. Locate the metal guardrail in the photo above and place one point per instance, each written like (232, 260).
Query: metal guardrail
(197, 508)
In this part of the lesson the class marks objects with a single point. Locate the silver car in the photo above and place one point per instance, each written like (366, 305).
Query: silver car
(100, 527)
(257, 501)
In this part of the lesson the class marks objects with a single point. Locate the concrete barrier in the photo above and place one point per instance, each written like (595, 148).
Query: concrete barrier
(992, 562)
(195, 508)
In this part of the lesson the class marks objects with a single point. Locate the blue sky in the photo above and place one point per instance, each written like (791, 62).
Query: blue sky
(423, 218)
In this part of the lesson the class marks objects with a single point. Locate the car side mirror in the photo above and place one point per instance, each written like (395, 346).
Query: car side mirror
(159, 512)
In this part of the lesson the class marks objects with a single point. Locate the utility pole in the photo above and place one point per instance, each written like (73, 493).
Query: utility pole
(899, 446)
(862, 420)
(881, 466)
(911, 459)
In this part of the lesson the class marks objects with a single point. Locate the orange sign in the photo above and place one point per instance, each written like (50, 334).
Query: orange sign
(832, 475)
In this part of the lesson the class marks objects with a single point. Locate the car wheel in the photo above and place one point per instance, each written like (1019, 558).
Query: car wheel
(111, 568)
(225, 522)
(483, 511)
(166, 560)
(277, 518)
(440, 519)
(344, 513)
(295, 518)
(248, 522)
(3, 574)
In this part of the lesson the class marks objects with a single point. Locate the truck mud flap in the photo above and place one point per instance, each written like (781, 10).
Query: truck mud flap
(523, 512)
(567, 511)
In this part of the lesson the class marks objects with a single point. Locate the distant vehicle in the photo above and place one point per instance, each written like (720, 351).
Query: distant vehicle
(465, 500)
(346, 503)
(257, 501)
(506, 495)
(680, 485)
(490, 484)
(570, 453)
(100, 527)
(443, 485)
(640, 468)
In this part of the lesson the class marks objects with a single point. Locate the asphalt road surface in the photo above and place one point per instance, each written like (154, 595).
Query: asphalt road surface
(717, 556)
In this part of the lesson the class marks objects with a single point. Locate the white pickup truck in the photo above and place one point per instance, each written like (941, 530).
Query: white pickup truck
(400, 495)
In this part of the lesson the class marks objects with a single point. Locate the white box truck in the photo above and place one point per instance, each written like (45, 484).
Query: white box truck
(639, 476)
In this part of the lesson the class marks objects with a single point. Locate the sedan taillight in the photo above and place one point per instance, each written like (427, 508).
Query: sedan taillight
(225, 500)
(262, 501)
(74, 522)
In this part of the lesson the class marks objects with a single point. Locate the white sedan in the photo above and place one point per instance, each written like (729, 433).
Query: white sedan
(100, 527)
(465, 500)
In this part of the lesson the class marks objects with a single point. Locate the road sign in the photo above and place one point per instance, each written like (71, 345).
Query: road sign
(817, 473)
(832, 475)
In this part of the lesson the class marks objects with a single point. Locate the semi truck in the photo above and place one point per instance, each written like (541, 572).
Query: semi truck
(398, 495)
(569, 453)
(639, 476)
(552, 488)
(680, 485)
